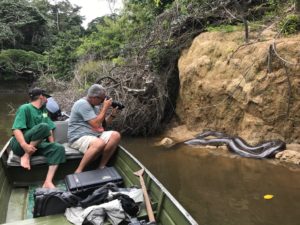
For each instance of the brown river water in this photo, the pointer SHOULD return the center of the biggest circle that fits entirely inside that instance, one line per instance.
(215, 186)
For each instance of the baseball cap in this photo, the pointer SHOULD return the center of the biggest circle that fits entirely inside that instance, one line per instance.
(38, 91)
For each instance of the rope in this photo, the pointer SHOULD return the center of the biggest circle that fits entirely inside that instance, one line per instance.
(282, 59)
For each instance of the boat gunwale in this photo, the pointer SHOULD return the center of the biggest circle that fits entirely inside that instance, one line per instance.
(4, 148)
(162, 187)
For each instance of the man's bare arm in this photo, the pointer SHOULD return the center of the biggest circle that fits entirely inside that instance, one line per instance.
(97, 122)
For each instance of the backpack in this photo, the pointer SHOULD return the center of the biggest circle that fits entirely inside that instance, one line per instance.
(52, 201)
(53, 109)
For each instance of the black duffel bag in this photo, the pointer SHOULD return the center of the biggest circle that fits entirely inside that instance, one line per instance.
(53, 201)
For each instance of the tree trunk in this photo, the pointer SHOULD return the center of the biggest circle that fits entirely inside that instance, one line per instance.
(57, 20)
(297, 4)
(245, 22)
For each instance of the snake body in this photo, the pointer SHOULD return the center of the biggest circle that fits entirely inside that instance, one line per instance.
(238, 145)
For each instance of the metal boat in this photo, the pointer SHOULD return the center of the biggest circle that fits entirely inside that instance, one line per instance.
(17, 182)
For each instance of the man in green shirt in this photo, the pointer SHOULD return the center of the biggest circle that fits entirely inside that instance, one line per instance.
(33, 134)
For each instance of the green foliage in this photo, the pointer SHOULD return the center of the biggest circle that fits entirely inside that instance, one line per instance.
(53, 28)
(62, 57)
(87, 72)
(5, 32)
(16, 61)
(106, 42)
(114, 35)
(274, 5)
(225, 28)
(64, 31)
(92, 26)
(154, 55)
(119, 61)
(290, 24)
(157, 2)
(41, 26)
(22, 25)
(160, 57)
(60, 17)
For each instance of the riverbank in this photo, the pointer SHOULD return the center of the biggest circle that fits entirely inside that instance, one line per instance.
(233, 87)
(246, 90)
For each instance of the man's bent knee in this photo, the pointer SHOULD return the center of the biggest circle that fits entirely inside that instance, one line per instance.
(43, 127)
(97, 143)
(116, 136)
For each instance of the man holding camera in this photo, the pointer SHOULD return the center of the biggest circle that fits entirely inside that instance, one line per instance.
(86, 132)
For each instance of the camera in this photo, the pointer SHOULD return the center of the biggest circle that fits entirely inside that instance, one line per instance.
(115, 104)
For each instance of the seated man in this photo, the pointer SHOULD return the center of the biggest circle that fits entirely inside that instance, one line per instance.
(32, 130)
(85, 131)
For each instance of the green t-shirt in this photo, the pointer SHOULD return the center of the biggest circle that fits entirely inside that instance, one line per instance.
(28, 116)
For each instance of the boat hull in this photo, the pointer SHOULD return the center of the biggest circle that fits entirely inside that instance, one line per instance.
(166, 208)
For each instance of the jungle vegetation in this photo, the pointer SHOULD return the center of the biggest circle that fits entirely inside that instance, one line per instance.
(132, 52)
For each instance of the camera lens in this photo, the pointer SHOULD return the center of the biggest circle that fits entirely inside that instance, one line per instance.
(115, 104)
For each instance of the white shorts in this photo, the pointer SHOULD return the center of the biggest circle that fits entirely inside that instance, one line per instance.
(83, 143)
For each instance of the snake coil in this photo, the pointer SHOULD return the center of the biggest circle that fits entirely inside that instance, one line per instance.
(266, 149)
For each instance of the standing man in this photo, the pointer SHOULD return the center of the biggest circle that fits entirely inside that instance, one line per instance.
(33, 134)
(85, 131)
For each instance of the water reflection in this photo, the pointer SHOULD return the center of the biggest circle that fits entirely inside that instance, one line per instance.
(12, 95)
(219, 188)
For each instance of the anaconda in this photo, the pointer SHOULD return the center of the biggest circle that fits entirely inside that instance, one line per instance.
(238, 145)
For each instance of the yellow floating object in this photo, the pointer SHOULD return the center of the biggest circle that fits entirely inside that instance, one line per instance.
(268, 197)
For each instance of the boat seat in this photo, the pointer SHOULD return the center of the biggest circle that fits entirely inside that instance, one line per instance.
(14, 160)
(60, 136)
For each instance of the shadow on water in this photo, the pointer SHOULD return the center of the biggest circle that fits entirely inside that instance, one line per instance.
(215, 186)
(219, 188)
